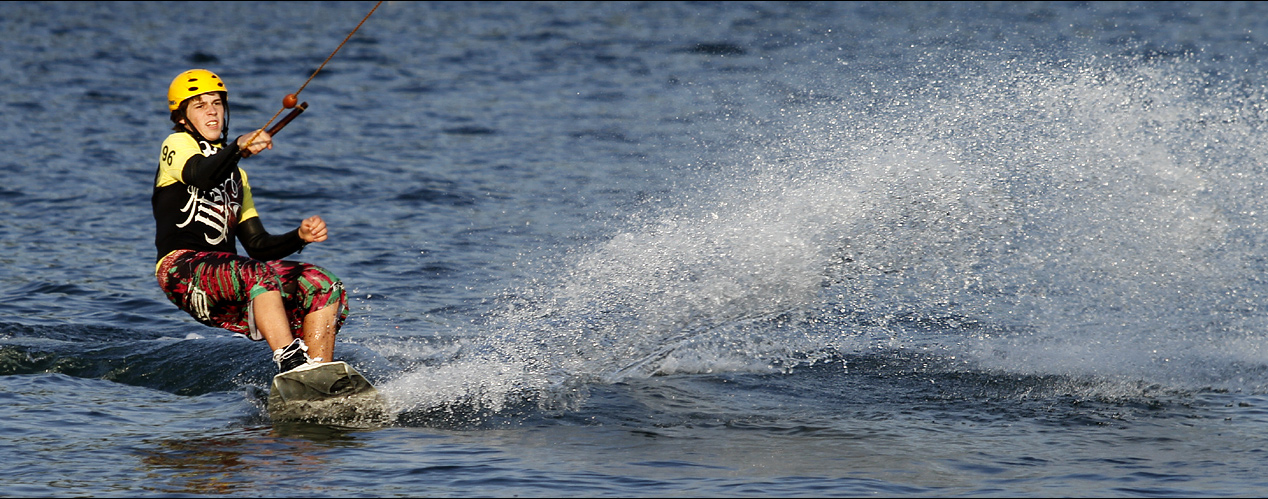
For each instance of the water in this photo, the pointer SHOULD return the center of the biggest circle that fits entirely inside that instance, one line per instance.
(662, 249)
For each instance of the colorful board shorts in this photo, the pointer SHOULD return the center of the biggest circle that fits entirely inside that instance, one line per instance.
(216, 288)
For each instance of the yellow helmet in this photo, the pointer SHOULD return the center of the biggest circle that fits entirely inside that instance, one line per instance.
(191, 83)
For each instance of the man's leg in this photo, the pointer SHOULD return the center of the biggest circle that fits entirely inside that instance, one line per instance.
(270, 319)
(319, 333)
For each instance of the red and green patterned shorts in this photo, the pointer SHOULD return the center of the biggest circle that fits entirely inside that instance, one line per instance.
(216, 288)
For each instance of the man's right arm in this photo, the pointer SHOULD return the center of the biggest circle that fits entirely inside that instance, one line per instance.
(206, 172)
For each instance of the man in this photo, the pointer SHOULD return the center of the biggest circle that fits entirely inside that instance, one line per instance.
(203, 206)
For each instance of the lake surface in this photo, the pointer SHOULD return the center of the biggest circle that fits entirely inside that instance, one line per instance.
(661, 249)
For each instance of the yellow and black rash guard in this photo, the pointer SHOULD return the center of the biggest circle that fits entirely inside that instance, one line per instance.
(202, 202)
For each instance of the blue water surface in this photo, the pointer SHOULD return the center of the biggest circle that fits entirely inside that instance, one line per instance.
(670, 249)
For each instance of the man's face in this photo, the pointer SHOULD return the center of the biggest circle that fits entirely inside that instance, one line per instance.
(206, 113)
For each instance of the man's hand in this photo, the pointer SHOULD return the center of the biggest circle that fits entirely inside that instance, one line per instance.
(254, 142)
(313, 230)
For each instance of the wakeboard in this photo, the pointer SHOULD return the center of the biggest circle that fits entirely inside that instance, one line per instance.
(329, 392)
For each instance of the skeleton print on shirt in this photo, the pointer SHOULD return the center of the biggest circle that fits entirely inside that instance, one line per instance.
(215, 208)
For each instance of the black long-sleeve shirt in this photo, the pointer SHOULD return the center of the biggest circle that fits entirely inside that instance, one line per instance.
(202, 202)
